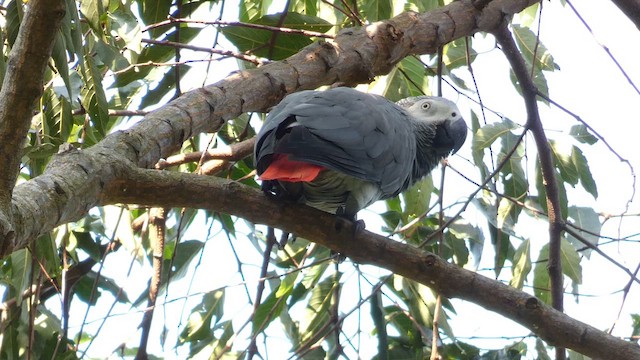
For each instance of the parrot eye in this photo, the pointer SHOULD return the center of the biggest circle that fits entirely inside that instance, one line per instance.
(426, 106)
(453, 114)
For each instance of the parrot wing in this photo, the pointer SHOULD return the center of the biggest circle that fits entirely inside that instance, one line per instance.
(357, 134)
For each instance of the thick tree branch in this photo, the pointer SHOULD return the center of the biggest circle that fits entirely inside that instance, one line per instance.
(72, 183)
(163, 188)
(631, 8)
(28, 59)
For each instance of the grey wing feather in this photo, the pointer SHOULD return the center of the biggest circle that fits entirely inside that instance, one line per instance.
(362, 135)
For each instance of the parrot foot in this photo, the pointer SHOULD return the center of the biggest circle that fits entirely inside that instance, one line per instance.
(343, 215)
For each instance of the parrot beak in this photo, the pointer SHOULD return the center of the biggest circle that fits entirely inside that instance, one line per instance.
(450, 137)
(458, 132)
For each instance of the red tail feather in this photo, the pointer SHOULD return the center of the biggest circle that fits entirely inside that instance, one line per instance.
(290, 170)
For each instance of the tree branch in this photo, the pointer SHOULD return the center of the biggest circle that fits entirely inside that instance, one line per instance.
(172, 189)
(631, 8)
(28, 59)
(73, 181)
(554, 212)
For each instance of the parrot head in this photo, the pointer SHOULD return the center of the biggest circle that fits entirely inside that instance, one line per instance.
(444, 115)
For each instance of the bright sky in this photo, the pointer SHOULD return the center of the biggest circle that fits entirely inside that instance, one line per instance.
(588, 83)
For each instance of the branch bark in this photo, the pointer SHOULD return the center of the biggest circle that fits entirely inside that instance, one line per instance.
(171, 189)
(554, 212)
(72, 184)
(27, 60)
(631, 8)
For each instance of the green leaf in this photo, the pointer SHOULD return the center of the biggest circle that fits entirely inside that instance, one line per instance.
(14, 13)
(154, 11)
(542, 350)
(418, 197)
(564, 162)
(253, 9)
(270, 308)
(407, 79)
(259, 42)
(20, 272)
(125, 27)
(541, 282)
(57, 119)
(71, 29)
(530, 45)
(182, 257)
(539, 81)
(110, 56)
(635, 319)
(571, 261)
(570, 267)
(587, 219)
(199, 325)
(59, 55)
(376, 10)
(573, 355)
(581, 133)
(521, 265)
(488, 134)
(93, 98)
(93, 12)
(586, 178)
(455, 53)
(317, 312)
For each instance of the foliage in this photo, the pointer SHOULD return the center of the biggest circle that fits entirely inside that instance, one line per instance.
(104, 64)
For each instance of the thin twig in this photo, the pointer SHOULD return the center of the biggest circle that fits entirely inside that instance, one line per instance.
(270, 242)
(234, 152)
(245, 57)
(284, 30)
(605, 48)
(157, 237)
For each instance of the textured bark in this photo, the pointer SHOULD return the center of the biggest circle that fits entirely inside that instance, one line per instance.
(631, 8)
(74, 180)
(27, 60)
(171, 189)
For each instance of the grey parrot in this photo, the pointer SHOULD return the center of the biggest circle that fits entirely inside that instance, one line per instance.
(341, 150)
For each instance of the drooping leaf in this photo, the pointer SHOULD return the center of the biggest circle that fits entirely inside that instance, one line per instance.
(541, 282)
(59, 56)
(93, 97)
(272, 306)
(417, 197)
(93, 12)
(582, 134)
(407, 79)
(587, 219)
(584, 172)
(571, 261)
(210, 310)
(521, 265)
(530, 45)
(13, 18)
(542, 350)
(455, 53)
(488, 134)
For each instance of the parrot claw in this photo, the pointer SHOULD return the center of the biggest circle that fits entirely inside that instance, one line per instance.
(342, 216)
